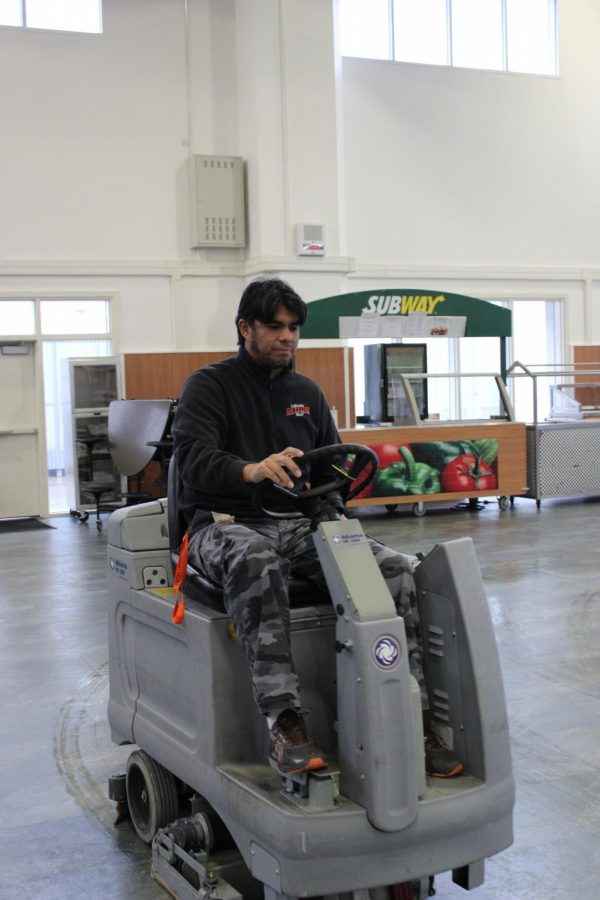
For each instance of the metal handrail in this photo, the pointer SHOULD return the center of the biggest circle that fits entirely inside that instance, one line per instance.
(528, 370)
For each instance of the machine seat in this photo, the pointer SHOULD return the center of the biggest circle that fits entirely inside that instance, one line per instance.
(197, 587)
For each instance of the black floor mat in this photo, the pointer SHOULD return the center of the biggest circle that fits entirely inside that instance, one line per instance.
(10, 525)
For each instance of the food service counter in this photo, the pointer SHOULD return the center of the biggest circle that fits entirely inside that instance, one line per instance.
(443, 461)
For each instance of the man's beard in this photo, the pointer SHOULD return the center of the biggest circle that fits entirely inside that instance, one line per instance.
(266, 361)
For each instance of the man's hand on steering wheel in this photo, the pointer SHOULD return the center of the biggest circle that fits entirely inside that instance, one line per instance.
(337, 469)
(276, 468)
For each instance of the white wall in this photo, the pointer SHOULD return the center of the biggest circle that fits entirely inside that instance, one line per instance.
(466, 181)
(92, 128)
(97, 130)
(470, 168)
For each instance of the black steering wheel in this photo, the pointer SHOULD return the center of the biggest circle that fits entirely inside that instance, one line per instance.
(342, 469)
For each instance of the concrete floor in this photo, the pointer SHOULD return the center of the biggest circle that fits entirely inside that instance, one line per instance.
(57, 837)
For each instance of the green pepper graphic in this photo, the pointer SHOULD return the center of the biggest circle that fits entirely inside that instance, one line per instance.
(406, 477)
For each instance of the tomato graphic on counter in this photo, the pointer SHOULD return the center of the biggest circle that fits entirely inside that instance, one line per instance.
(468, 473)
(387, 454)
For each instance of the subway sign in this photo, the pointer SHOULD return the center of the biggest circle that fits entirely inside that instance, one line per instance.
(483, 319)
(402, 304)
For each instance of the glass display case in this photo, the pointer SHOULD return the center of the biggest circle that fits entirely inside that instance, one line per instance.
(474, 397)
(94, 383)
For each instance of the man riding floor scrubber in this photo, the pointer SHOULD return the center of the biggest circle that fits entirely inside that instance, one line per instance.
(225, 824)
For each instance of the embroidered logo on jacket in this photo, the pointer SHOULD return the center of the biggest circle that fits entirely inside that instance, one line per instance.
(297, 409)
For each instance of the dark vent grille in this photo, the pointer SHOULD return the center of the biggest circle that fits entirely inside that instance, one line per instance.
(435, 641)
(441, 705)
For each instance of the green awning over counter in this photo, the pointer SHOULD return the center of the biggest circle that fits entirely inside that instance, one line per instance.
(484, 319)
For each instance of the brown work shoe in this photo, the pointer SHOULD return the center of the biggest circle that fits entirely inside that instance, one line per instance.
(291, 748)
(440, 760)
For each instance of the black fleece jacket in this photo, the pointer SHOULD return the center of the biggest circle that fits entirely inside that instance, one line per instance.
(233, 413)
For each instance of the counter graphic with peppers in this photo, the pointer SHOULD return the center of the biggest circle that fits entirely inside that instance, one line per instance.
(434, 467)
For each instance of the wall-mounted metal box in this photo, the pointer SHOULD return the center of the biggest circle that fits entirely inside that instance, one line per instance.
(216, 193)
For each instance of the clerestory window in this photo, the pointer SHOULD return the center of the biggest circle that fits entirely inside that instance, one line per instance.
(58, 15)
(502, 35)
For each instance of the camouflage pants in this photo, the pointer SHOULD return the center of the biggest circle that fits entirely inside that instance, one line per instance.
(252, 562)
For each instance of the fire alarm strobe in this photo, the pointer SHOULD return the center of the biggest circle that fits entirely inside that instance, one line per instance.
(310, 240)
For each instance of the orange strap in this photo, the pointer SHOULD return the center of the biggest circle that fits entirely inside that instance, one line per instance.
(179, 580)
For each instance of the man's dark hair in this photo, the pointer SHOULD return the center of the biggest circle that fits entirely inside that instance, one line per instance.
(262, 297)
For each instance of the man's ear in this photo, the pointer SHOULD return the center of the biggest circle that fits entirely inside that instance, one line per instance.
(243, 328)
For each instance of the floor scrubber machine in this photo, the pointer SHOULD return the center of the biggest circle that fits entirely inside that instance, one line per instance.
(222, 822)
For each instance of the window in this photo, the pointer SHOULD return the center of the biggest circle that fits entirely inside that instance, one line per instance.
(365, 28)
(477, 34)
(74, 316)
(420, 32)
(11, 12)
(536, 341)
(531, 36)
(503, 35)
(59, 15)
(17, 317)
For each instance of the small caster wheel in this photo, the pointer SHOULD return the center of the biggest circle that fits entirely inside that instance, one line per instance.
(503, 502)
(83, 517)
(98, 526)
(391, 507)
(418, 509)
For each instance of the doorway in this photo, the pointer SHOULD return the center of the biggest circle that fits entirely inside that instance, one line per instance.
(38, 335)
(20, 493)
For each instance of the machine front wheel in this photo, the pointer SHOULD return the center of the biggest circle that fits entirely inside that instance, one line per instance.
(151, 795)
